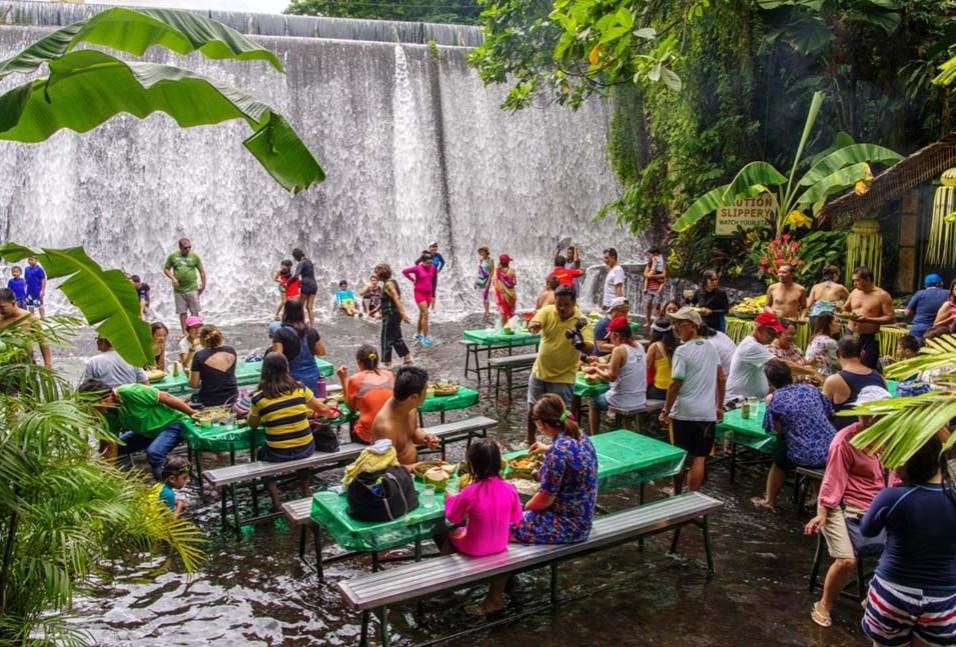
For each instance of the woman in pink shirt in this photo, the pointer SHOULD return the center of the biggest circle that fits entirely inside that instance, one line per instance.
(488, 505)
(423, 276)
(851, 481)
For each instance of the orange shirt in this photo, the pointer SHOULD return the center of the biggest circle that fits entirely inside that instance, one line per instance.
(566, 276)
(371, 391)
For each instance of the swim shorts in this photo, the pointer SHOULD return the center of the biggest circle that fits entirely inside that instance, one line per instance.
(423, 297)
(894, 613)
(33, 302)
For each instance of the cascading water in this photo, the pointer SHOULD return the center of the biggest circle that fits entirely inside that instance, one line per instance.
(414, 146)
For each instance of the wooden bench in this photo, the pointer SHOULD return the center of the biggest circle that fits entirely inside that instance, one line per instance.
(378, 591)
(229, 479)
(620, 415)
(508, 365)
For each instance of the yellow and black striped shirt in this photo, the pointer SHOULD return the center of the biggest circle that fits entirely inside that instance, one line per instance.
(286, 418)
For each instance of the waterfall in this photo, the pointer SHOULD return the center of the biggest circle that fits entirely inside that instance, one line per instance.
(415, 148)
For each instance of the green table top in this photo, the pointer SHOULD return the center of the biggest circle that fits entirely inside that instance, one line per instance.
(247, 374)
(624, 458)
(462, 400)
(584, 389)
(749, 432)
(488, 337)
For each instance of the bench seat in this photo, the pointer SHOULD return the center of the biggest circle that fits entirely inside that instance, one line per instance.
(650, 406)
(508, 365)
(377, 591)
(226, 479)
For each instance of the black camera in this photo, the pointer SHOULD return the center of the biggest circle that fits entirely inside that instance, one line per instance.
(575, 335)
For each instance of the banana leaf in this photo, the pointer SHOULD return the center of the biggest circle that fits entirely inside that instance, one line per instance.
(106, 298)
(947, 73)
(936, 353)
(135, 31)
(751, 180)
(848, 155)
(837, 181)
(904, 425)
(88, 87)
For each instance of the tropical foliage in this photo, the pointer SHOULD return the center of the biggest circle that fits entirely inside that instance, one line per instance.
(63, 511)
(834, 172)
(435, 11)
(905, 424)
(106, 298)
(88, 87)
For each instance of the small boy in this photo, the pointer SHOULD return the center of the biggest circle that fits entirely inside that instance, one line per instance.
(372, 298)
(175, 475)
(345, 300)
(654, 275)
(19, 286)
(142, 290)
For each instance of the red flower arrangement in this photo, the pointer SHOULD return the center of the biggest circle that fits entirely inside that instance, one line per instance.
(780, 251)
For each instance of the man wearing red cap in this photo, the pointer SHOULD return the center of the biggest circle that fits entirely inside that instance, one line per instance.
(627, 373)
(746, 377)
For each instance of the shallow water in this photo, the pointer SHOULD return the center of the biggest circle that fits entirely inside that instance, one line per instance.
(256, 592)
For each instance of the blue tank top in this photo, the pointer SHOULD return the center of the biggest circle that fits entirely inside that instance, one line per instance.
(857, 383)
(303, 368)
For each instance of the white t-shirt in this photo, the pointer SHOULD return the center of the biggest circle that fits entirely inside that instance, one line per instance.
(725, 349)
(746, 377)
(695, 363)
(615, 276)
(629, 391)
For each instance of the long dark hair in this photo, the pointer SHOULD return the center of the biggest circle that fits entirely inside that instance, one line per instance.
(822, 324)
(667, 338)
(275, 379)
(293, 314)
(550, 410)
(484, 459)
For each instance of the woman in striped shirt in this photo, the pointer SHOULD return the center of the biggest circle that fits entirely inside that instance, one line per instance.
(282, 405)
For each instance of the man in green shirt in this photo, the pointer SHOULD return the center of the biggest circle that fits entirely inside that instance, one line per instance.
(181, 267)
(143, 417)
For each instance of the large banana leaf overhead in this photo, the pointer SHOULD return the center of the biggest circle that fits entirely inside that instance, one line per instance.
(87, 87)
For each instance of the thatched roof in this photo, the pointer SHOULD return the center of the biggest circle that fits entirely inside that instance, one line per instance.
(923, 166)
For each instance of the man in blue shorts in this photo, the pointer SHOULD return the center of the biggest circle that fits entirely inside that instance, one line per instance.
(36, 285)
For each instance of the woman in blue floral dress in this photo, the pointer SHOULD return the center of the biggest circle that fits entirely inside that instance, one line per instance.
(561, 511)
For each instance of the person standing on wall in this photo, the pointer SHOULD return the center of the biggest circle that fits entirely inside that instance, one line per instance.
(181, 268)
(305, 272)
(655, 274)
(36, 286)
(614, 283)
(438, 261)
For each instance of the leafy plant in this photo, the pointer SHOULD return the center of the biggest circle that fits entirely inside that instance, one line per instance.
(106, 298)
(835, 172)
(88, 87)
(63, 510)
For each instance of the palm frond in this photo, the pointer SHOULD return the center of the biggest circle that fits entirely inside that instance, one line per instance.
(903, 425)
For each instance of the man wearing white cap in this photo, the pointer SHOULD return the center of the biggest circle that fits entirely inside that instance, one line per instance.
(438, 261)
(695, 397)
(619, 308)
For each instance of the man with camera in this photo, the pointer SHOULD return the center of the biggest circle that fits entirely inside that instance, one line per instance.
(566, 334)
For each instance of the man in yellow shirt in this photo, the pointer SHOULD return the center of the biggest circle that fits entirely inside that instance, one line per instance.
(565, 335)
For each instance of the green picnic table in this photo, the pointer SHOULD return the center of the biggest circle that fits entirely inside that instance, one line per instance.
(439, 404)
(748, 432)
(487, 340)
(584, 389)
(624, 458)
(247, 374)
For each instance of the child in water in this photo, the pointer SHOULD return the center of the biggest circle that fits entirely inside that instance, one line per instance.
(19, 286)
(345, 300)
(175, 475)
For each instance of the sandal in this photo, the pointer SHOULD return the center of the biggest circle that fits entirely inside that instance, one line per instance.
(819, 617)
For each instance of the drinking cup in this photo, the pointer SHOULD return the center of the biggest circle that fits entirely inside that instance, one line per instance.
(428, 496)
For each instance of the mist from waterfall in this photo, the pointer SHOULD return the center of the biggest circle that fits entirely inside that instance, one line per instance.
(415, 149)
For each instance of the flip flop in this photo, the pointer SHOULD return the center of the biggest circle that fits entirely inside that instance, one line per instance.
(819, 617)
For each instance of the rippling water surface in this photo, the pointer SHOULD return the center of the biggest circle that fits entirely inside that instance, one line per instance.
(254, 591)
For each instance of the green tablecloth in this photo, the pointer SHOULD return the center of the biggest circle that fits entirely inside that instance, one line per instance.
(439, 403)
(488, 337)
(218, 438)
(584, 389)
(624, 458)
(749, 432)
(247, 374)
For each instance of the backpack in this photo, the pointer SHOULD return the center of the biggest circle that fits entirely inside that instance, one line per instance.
(381, 496)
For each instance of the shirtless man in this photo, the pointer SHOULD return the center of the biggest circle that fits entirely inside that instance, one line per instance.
(786, 299)
(10, 314)
(873, 307)
(546, 298)
(398, 419)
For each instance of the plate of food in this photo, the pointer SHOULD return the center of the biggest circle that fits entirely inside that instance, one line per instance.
(524, 466)
(443, 388)
(421, 468)
(155, 374)
(851, 316)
